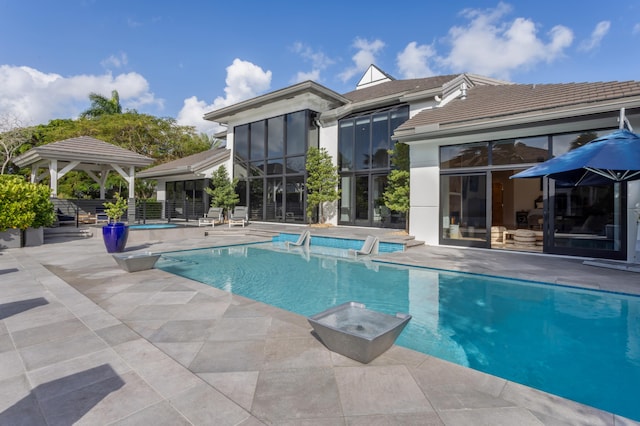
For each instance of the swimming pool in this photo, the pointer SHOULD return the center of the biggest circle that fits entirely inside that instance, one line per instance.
(153, 226)
(580, 344)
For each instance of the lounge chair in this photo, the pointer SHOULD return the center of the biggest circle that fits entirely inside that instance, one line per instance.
(304, 239)
(211, 217)
(239, 216)
(370, 246)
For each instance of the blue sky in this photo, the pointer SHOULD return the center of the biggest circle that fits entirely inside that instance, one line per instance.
(182, 59)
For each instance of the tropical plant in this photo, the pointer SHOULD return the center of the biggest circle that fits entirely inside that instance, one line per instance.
(23, 204)
(12, 137)
(101, 105)
(223, 194)
(396, 195)
(322, 181)
(117, 209)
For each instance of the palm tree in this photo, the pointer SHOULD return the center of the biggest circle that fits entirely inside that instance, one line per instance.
(101, 105)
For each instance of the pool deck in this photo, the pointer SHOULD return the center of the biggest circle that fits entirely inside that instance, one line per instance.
(84, 342)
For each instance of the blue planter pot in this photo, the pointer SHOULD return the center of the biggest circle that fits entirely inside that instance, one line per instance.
(115, 237)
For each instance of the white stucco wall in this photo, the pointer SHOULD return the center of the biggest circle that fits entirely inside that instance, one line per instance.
(424, 211)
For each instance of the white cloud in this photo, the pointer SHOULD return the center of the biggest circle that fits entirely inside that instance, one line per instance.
(319, 62)
(244, 80)
(601, 30)
(115, 61)
(413, 60)
(37, 97)
(636, 29)
(490, 45)
(365, 56)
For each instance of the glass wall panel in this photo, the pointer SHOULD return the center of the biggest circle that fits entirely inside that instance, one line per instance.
(362, 144)
(345, 199)
(398, 116)
(463, 206)
(256, 168)
(241, 142)
(518, 151)
(362, 201)
(296, 164)
(567, 142)
(274, 210)
(468, 155)
(296, 133)
(275, 138)
(257, 140)
(588, 218)
(256, 199)
(345, 156)
(294, 203)
(241, 190)
(380, 141)
(275, 166)
(381, 213)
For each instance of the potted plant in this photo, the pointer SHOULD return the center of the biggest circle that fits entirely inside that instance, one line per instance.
(25, 208)
(115, 233)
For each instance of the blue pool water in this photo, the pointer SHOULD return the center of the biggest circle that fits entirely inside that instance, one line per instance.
(340, 243)
(153, 226)
(579, 344)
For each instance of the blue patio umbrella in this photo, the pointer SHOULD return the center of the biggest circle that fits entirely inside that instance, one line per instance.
(611, 158)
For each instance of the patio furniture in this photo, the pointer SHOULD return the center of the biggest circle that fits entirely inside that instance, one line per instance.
(211, 217)
(356, 332)
(370, 246)
(239, 216)
(304, 239)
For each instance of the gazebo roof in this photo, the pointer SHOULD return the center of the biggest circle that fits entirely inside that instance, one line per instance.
(84, 149)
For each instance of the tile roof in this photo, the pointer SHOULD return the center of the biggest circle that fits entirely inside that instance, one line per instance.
(85, 149)
(189, 164)
(398, 87)
(487, 102)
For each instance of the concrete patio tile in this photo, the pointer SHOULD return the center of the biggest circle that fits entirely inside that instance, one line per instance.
(183, 352)
(100, 403)
(413, 419)
(548, 406)
(204, 405)
(151, 312)
(120, 304)
(99, 319)
(6, 344)
(160, 414)
(156, 368)
(116, 334)
(496, 416)
(245, 309)
(37, 356)
(284, 329)
(183, 331)
(145, 328)
(10, 364)
(41, 315)
(170, 298)
(48, 332)
(202, 310)
(67, 376)
(459, 396)
(237, 386)
(295, 353)
(434, 373)
(19, 406)
(240, 328)
(368, 389)
(297, 394)
(219, 357)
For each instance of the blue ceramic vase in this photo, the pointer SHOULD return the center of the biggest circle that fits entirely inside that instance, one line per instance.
(115, 236)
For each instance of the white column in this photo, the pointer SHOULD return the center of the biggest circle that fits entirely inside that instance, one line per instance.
(53, 173)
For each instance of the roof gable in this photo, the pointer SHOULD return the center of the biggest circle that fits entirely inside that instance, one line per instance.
(372, 76)
(192, 164)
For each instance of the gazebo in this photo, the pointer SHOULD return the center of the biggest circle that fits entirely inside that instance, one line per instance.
(93, 156)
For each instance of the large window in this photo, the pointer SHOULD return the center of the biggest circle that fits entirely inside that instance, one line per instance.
(364, 141)
(269, 162)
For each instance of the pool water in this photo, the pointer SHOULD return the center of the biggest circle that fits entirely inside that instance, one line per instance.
(580, 344)
(153, 226)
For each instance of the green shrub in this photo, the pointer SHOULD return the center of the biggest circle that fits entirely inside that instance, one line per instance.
(24, 205)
